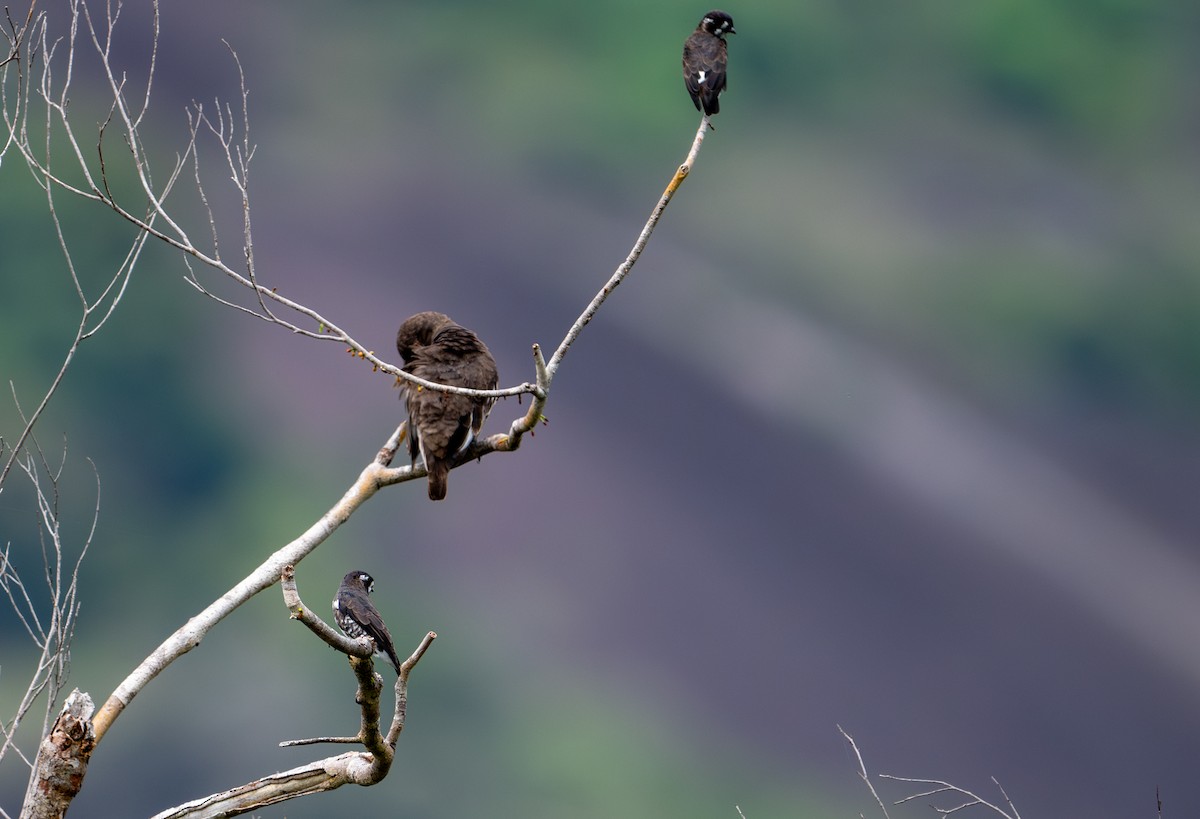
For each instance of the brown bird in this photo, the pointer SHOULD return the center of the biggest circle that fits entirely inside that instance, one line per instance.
(704, 61)
(441, 424)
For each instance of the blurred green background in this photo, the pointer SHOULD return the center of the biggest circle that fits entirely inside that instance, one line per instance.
(894, 425)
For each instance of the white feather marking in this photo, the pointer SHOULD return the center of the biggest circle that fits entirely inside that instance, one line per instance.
(469, 441)
(700, 77)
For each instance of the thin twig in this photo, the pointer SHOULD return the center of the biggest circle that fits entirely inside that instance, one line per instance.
(292, 743)
(639, 245)
(54, 632)
(862, 770)
(937, 786)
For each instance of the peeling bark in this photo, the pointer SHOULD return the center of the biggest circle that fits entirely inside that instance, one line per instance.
(62, 760)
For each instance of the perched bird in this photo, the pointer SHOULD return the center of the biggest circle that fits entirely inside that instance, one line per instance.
(440, 424)
(357, 616)
(704, 61)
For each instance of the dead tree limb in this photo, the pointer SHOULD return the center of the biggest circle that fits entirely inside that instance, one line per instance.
(365, 768)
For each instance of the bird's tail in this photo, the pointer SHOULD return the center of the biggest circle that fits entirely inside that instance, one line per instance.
(439, 474)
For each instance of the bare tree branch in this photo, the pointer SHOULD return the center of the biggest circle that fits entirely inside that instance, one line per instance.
(236, 149)
(862, 771)
(970, 800)
(94, 310)
(266, 575)
(639, 245)
(53, 630)
(963, 798)
(353, 768)
(93, 178)
(17, 35)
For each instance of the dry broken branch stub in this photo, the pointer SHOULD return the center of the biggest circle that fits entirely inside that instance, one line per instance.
(62, 760)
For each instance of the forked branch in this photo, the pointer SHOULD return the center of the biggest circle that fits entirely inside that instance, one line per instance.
(962, 798)
(48, 611)
(367, 767)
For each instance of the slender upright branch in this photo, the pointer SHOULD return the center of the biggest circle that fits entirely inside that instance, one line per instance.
(635, 253)
(862, 771)
(544, 372)
(48, 615)
(94, 309)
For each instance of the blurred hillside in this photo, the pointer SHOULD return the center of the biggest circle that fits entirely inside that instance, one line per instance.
(894, 425)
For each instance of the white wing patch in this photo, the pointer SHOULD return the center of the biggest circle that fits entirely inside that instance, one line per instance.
(470, 439)
(701, 76)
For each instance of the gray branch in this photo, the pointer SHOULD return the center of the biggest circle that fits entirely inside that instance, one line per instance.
(351, 768)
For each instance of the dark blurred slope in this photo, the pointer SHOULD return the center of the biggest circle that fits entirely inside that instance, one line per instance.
(893, 425)
(724, 477)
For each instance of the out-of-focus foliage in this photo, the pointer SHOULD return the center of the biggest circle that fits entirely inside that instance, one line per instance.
(1003, 194)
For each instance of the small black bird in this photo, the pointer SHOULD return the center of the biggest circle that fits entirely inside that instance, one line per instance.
(704, 61)
(440, 424)
(357, 616)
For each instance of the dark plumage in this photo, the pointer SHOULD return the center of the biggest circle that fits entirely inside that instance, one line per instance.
(357, 616)
(704, 61)
(440, 424)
